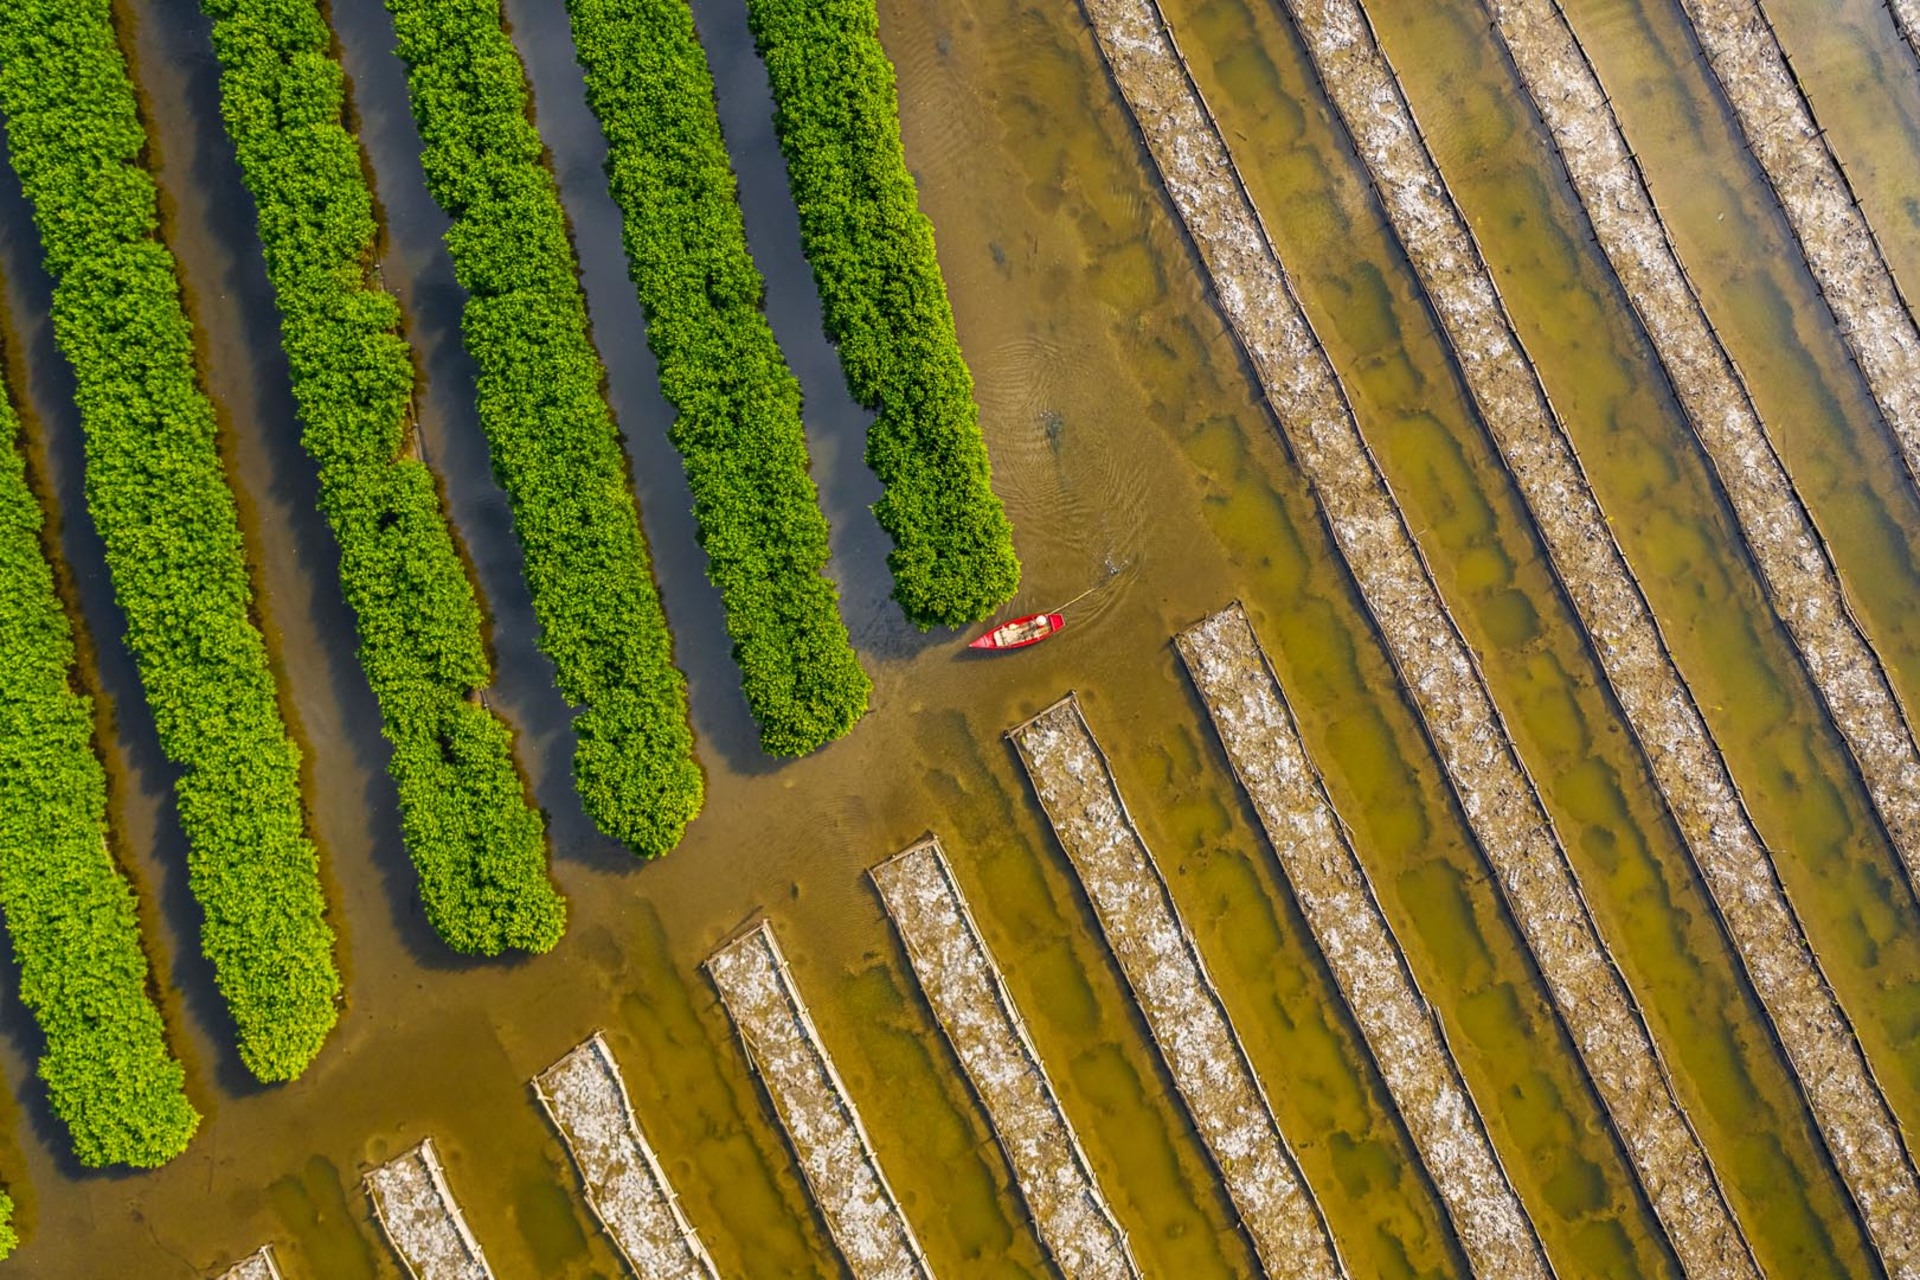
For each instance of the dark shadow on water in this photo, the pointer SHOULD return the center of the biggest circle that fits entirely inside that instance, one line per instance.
(240, 322)
(836, 426)
(49, 418)
(35, 1103)
(136, 765)
(578, 152)
(419, 271)
(416, 268)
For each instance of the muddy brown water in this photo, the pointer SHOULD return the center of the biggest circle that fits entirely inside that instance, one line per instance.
(1129, 448)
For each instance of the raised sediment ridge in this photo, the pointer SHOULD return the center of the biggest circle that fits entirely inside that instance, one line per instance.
(258, 1265)
(586, 1098)
(843, 1174)
(422, 1221)
(1795, 565)
(1776, 119)
(1861, 1134)
(1906, 16)
(1834, 1077)
(1189, 1023)
(1249, 710)
(974, 1009)
(1435, 666)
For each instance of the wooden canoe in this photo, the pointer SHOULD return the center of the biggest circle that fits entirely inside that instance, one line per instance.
(1020, 632)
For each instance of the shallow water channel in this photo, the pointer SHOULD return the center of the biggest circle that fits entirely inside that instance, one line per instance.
(1131, 451)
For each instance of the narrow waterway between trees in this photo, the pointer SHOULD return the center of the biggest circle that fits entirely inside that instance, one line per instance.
(1131, 450)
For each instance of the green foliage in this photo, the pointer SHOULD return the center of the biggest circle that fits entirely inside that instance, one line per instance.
(739, 425)
(9, 1238)
(71, 916)
(885, 304)
(479, 846)
(159, 499)
(555, 448)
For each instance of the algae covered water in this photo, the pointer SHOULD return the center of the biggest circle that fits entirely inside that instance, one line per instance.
(1130, 450)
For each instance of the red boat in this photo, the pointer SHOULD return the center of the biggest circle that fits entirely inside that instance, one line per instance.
(1021, 632)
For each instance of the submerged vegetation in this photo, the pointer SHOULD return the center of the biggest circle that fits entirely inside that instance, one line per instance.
(70, 913)
(159, 498)
(554, 444)
(885, 304)
(478, 844)
(739, 426)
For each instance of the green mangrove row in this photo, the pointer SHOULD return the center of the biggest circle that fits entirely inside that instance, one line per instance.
(479, 846)
(885, 305)
(555, 448)
(739, 427)
(159, 499)
(70, 913)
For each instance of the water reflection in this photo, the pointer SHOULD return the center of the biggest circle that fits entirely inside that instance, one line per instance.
(836, 426)
(415, 267)
(147, 840)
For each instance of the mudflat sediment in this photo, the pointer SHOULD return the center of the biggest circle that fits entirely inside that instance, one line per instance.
(970, 1001)
(1793, 559)
(1432, 658)
(1249, 711)
(1860, 1132)
(586, 1098)
(422, 1220)
(1183, 1011)
(1844, 1098)
(836, 1158)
